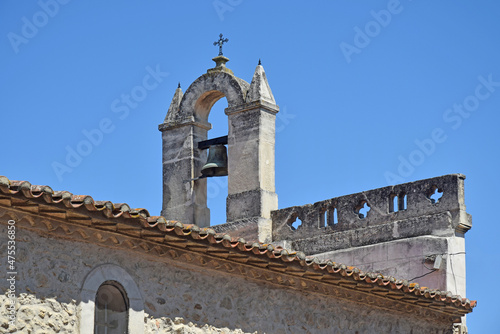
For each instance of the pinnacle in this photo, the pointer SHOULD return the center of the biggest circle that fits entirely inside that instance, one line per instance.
(259, 87)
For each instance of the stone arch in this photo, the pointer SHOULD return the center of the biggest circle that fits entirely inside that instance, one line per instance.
(91, 284)
(208, 89)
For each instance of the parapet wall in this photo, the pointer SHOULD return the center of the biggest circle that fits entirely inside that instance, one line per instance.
(395, 212)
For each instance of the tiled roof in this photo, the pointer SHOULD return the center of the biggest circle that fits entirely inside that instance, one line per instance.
(137, 223)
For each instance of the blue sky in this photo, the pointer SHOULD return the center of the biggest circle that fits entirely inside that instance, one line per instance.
(361, 86)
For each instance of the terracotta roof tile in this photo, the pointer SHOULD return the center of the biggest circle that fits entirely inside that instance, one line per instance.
(158, 226)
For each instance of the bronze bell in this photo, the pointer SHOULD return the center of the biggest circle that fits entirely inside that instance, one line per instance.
(216, 163)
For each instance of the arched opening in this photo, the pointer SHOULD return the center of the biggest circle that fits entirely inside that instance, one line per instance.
(111, 309)
(217, 186)
(218, 119)
(205, 103)
(117, 286)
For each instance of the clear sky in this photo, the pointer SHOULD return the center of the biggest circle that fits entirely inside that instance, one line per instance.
(372, 93)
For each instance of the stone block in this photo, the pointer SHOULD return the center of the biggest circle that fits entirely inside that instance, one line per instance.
(255, 203)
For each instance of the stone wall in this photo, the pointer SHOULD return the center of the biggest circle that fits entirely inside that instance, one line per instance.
(177, 297)
(407, 233)
(394, 212)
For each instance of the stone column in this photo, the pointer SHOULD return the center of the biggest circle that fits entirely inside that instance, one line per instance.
(184, 200)
(251, 186)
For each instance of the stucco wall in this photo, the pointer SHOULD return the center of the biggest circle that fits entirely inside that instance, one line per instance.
(177, 298)
(406, 259)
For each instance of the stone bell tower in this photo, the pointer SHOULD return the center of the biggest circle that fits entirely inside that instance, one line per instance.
(251, 115)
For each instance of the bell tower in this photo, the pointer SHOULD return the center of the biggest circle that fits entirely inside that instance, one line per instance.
(251, 115)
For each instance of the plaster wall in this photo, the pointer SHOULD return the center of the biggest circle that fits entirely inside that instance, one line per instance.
(413, 259)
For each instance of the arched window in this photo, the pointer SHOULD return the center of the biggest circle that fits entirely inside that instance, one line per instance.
(111, 309)
(107, 290)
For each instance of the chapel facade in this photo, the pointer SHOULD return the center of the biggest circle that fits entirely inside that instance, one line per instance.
(88, 266)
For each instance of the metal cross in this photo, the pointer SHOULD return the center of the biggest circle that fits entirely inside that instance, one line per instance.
(220, 42)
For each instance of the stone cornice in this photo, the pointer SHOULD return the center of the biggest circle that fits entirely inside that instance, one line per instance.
(264, 105)
(170, 125)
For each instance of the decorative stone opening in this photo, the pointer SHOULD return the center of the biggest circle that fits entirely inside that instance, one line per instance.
(328, 217)
(397, 202)
(362, 209)
(393, 203)
(435, 194)
(295, 222)
(403, 201)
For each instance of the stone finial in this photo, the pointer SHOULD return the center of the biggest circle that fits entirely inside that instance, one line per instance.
(220, 65)
(176, 101)
(259, 87)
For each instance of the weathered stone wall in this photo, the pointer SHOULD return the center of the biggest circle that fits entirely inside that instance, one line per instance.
(402, 235)
(415, 214)
(177, 297)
